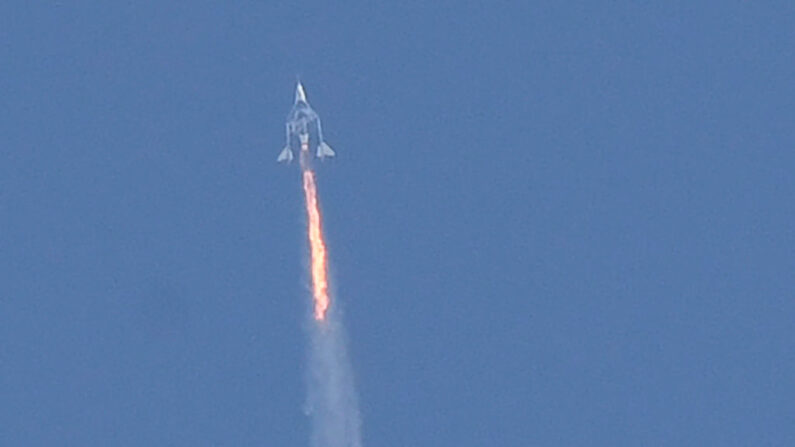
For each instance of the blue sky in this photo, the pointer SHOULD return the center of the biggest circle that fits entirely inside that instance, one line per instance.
(549, 224)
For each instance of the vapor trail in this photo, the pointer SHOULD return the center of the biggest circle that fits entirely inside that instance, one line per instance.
(332, 402)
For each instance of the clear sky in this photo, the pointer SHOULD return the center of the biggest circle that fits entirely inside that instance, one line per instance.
(550, 223)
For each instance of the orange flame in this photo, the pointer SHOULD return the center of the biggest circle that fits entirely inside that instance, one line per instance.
(317, 247)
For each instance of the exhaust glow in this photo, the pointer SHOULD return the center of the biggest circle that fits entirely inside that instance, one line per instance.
(317, 247)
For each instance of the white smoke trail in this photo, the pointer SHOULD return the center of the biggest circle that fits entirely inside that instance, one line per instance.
(332, 401)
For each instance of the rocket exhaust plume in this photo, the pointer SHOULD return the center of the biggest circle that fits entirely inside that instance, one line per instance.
(317, 248)
(332, 403)
(332, 398)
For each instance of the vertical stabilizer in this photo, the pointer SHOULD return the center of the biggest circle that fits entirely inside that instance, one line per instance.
(286, 155)
(324, 150)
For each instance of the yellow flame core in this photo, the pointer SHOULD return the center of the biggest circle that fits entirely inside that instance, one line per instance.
(317, 247)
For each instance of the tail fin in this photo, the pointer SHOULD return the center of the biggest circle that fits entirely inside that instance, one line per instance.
(285, 155)
(323, 150)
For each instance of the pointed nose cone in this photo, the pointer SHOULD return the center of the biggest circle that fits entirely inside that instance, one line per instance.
(300, 96)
